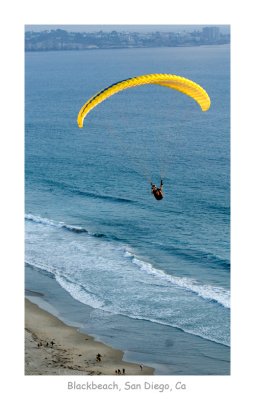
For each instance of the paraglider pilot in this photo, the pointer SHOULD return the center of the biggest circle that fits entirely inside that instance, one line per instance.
(157, 192)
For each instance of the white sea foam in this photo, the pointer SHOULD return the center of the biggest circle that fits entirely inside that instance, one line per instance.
(79, 293)
(207, 292)
(107, 276)
(56, 224)
(41, 220)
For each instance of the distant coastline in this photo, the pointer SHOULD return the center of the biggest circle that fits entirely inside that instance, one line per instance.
(59, 39)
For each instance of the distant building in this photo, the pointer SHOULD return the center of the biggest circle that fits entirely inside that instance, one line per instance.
(211, 33)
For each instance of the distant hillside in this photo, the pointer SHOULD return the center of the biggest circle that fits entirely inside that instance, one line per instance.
(60, 39)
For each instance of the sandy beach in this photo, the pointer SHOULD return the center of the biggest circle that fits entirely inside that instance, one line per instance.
(53, 348)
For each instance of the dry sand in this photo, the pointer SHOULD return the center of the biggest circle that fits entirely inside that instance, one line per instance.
(73, 353)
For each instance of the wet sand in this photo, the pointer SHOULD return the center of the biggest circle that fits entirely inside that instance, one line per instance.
(53, 348)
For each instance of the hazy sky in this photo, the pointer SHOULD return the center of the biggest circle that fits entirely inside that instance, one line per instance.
(132, 28)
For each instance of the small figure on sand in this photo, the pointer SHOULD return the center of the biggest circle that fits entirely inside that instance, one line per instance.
(52, 343)
(141, 366)
(98, 357)
(157, 192)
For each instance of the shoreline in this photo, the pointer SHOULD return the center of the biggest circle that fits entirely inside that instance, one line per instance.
(175, 353)
(54, 348)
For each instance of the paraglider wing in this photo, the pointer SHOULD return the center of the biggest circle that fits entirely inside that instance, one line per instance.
(175, 82)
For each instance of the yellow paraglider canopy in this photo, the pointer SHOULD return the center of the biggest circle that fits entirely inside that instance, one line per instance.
(176, 82)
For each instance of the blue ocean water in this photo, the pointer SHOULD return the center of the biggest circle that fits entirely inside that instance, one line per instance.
(92, 224)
